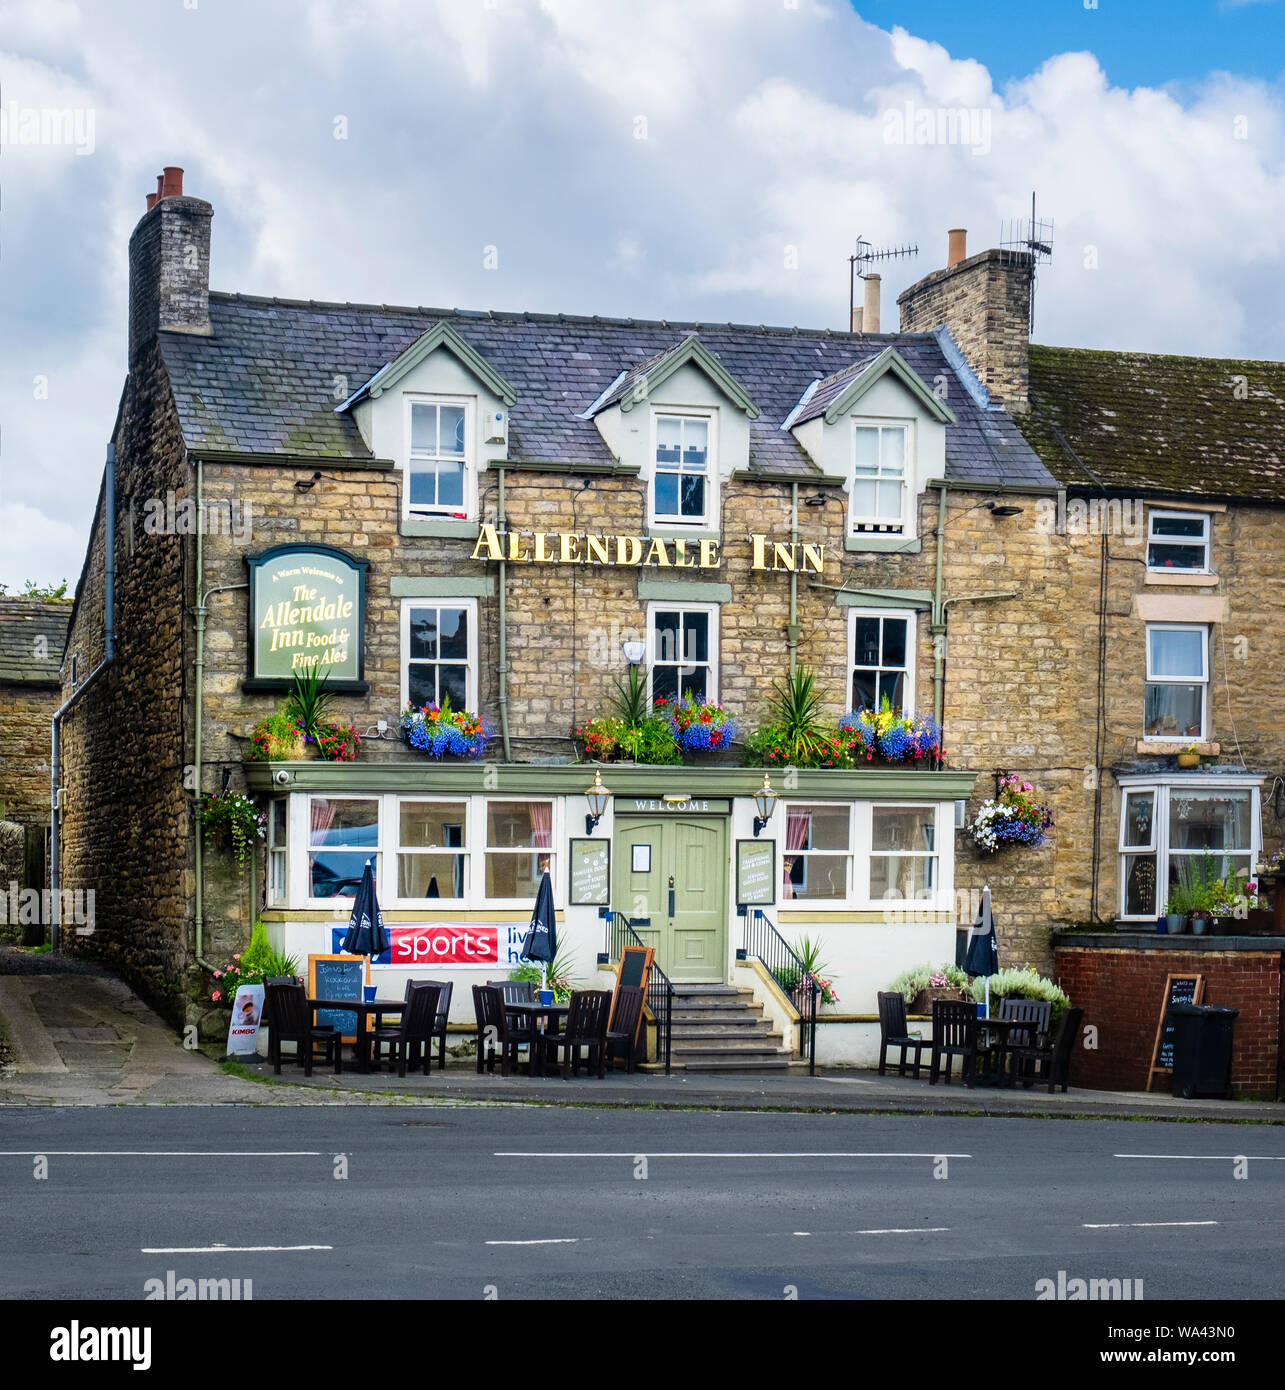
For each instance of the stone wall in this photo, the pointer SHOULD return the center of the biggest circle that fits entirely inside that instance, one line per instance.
(1121, 991)
(26, 714)
(126, 825)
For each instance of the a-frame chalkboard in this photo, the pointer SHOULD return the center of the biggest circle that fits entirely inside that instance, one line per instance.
(634, 969)
(1179, 989)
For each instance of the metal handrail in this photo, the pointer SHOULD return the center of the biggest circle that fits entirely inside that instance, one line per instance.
(764, 943)
(660, 992)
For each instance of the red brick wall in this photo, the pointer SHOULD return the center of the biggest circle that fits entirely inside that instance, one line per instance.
(1121, 991)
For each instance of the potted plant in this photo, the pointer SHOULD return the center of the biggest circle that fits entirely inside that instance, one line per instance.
(636, 733)
(439, 730)
(920, 985)
(1181, 902)
(276, 739)
(1189, 756)
(698, 727)
(231, 820)
(308, 705)
(790, 979)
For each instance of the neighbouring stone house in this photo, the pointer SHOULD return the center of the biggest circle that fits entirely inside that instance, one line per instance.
(32, 634)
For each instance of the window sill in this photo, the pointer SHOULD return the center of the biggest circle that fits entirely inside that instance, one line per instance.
(443, 527)
(884, 545)
(674, 531)
(1162, 747)
(1185, 577)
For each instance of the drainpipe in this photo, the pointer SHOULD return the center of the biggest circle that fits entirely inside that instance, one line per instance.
(792, 631)
(504, 635)
(202, 609)
(939, 616)
(109, 655)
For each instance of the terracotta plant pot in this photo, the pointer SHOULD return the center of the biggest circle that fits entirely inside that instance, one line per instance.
(1188, 759)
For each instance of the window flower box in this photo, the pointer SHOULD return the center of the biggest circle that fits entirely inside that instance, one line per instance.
(441, 732)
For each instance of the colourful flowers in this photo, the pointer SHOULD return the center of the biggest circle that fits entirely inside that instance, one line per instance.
(698, 727)
(338, 743)
(897, 738)
(1014, 818)
(439, 730)
(232, 817)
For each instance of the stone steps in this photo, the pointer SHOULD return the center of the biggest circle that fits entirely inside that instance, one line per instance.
(720, 1028)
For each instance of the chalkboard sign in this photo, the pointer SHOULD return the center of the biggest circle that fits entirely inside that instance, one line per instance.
(337, 977)
(1179, 989)
(590, 872)
(635, 966)
(755, 872)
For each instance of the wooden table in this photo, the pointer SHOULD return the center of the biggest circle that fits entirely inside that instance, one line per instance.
(363, 1008)
(552, 1013)
(1000, 1029)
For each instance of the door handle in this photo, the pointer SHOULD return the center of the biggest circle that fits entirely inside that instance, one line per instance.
(671, 895)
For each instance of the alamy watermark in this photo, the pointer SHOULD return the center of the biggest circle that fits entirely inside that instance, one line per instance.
(184, 516)
(67, 126)
(1124, 517)
(1077, 1290)
(23, 907)
(911, 124)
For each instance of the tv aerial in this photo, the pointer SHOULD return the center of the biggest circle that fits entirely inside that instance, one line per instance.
(862, 259)
(1032, 237)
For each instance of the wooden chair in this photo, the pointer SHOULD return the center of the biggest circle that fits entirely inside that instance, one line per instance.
(622, 1031)
(893, 1032)
(419, 1018)
(1052, 1058)
(955, 1035)
(293, 1021)
(1036, 1012)
(444, 988)
(586, 1027)
(493, 1029)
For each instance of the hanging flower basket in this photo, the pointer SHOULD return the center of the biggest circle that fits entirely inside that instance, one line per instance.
(441, 731)
(1013, 818)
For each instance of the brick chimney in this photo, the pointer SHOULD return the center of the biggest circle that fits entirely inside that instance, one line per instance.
(985, 301)
(169, 264)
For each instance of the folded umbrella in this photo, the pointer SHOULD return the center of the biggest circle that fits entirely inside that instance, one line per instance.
(982, 954)
(367, 935)
(541, 942)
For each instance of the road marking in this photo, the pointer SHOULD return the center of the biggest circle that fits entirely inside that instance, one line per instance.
(557, 1240)
(1117, 1225)
(1215, 1158)
(224, 1250)
(161, 1153)
(902, 1231)
(644, 1153)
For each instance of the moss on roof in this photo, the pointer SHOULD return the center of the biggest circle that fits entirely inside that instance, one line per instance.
(1198, 426)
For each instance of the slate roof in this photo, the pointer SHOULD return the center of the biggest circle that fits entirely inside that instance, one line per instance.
(1146, 422)
(22, 622)
(829, 390)
(268, 378)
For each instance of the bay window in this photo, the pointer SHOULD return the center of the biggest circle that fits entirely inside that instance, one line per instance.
(430, 843)
(343, 835)
(519, 847)
(278, 890)
(1175, 826)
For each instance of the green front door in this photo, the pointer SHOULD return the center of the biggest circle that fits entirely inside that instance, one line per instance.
(670, 879)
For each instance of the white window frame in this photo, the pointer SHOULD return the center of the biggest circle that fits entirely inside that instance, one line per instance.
(1203, 682)
(709, 521)
(278, 854)
(861, 851)
(468, 507)
(910, 617)
(299, 822)
(404, 657)
(300, 878)
(905, 526)
(1205, 541)
(1162, 785)
(661, 606)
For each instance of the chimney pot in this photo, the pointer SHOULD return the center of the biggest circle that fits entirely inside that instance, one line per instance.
(151, 201)
(956, 250)
(870, 306)
(172, 182)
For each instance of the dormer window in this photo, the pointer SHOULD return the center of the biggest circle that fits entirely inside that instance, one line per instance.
(878, 499)
(681, 487)
(439, 472)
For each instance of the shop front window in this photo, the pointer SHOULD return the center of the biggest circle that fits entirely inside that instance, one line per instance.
(431, 845)
(343, 835)
(816, 860)
(903, 852)
(519, 847)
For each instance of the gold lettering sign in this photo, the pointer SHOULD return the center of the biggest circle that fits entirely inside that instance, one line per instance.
(656, 552)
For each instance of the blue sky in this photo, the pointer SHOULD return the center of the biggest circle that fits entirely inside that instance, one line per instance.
(681, 159)
(1137, 42)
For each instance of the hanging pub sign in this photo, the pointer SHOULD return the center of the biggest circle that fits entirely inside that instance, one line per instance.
(307, 613)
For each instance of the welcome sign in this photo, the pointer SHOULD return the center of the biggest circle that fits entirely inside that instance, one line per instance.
(307, 614)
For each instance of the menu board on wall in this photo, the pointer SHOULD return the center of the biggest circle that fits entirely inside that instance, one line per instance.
(1179, 989)
(590, 872)
(307, 614)
(755, 872)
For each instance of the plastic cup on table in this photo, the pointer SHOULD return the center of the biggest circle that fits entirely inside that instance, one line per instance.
(368, 993)
(981, 1010)
(546, 997)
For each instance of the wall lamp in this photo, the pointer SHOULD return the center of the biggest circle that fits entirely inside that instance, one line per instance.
(764, 805)
(597, 796)
(634, 652)
(996, 510)
(301, 486)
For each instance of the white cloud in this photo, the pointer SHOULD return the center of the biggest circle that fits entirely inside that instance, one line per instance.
(763, 149)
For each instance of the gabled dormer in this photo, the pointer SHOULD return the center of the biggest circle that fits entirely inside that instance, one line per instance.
(441, 411)
(683, 421)
(878, 426)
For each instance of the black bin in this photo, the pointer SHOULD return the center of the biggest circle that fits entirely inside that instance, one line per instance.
(1202, 1049)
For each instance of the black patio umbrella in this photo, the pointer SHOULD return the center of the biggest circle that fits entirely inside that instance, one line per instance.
(541, 941)
(367, 935)
(982, 954)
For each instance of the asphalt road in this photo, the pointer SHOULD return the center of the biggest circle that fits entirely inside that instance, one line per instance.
(524, 1202)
